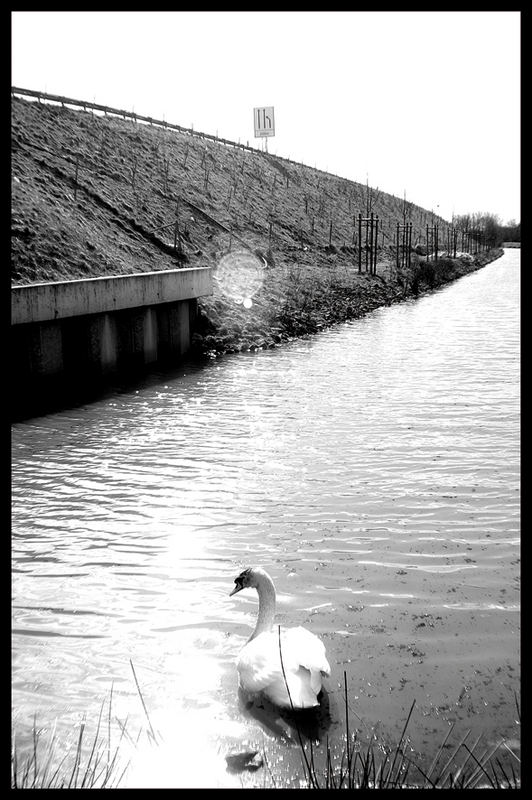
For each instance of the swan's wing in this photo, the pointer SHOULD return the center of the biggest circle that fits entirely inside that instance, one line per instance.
(258, 663)
(303, 662)
(306, 649)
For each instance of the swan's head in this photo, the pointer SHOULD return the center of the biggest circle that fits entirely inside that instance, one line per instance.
(249, 578)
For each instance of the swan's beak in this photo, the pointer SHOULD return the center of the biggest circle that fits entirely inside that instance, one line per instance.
(235, 590)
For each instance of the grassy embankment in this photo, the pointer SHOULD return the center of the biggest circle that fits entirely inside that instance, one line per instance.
(95, 195)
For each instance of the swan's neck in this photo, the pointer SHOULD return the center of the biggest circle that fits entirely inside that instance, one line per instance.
(266, 592)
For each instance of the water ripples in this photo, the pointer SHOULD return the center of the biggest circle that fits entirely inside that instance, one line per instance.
(376, 464)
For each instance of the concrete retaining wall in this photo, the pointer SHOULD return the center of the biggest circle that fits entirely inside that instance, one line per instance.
(75, 334)
(51, 301)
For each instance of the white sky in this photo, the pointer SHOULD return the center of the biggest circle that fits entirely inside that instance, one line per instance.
(422, 102)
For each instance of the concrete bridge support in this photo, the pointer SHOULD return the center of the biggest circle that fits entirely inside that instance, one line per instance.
(78, 333)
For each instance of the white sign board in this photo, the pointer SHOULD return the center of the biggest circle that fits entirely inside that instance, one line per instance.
(264, 121)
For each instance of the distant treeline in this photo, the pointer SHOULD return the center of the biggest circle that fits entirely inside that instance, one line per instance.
(495, 232)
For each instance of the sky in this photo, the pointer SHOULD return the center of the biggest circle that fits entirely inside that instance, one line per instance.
(422, 104)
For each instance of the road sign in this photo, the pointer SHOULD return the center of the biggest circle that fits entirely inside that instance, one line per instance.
(264, 121)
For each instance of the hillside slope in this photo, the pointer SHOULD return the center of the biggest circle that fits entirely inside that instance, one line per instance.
(96, 195)
(92, 193)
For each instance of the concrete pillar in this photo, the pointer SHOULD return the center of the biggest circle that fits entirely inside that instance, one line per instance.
(183, 324)
(109, 351)
(45, 349)
(150, 336)
(101, 349)
(173, 322)
(137, 338)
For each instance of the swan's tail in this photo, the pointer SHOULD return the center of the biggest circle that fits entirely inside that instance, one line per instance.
(300, 690)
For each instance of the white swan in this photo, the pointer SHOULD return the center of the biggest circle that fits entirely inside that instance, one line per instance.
(260, 670)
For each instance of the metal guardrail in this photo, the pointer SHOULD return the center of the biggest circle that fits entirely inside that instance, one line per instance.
(85, 104)
(117, 112)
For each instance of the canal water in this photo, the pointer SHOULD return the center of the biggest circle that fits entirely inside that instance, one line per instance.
(372, 470)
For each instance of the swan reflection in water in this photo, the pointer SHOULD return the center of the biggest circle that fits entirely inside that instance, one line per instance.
(311, 724)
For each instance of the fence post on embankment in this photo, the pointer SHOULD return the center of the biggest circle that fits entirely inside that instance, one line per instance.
(75, 334)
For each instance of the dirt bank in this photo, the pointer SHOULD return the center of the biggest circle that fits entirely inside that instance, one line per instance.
(305, 296)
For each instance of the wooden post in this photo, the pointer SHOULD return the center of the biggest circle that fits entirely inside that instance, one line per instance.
(76, 177)
(177, 240)
(397, 247)
(360, 242)
(134, 172)
(376, 242)
(365, 226)
(166, 165)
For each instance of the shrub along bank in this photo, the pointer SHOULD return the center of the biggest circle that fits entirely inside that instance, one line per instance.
(302, 298)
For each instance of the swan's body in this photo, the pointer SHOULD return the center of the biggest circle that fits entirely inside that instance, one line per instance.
(260, 669)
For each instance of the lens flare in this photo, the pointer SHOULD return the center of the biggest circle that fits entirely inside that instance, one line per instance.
(239, 275)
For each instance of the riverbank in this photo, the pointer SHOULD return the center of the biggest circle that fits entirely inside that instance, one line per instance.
(98, 196)
(302, 297)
